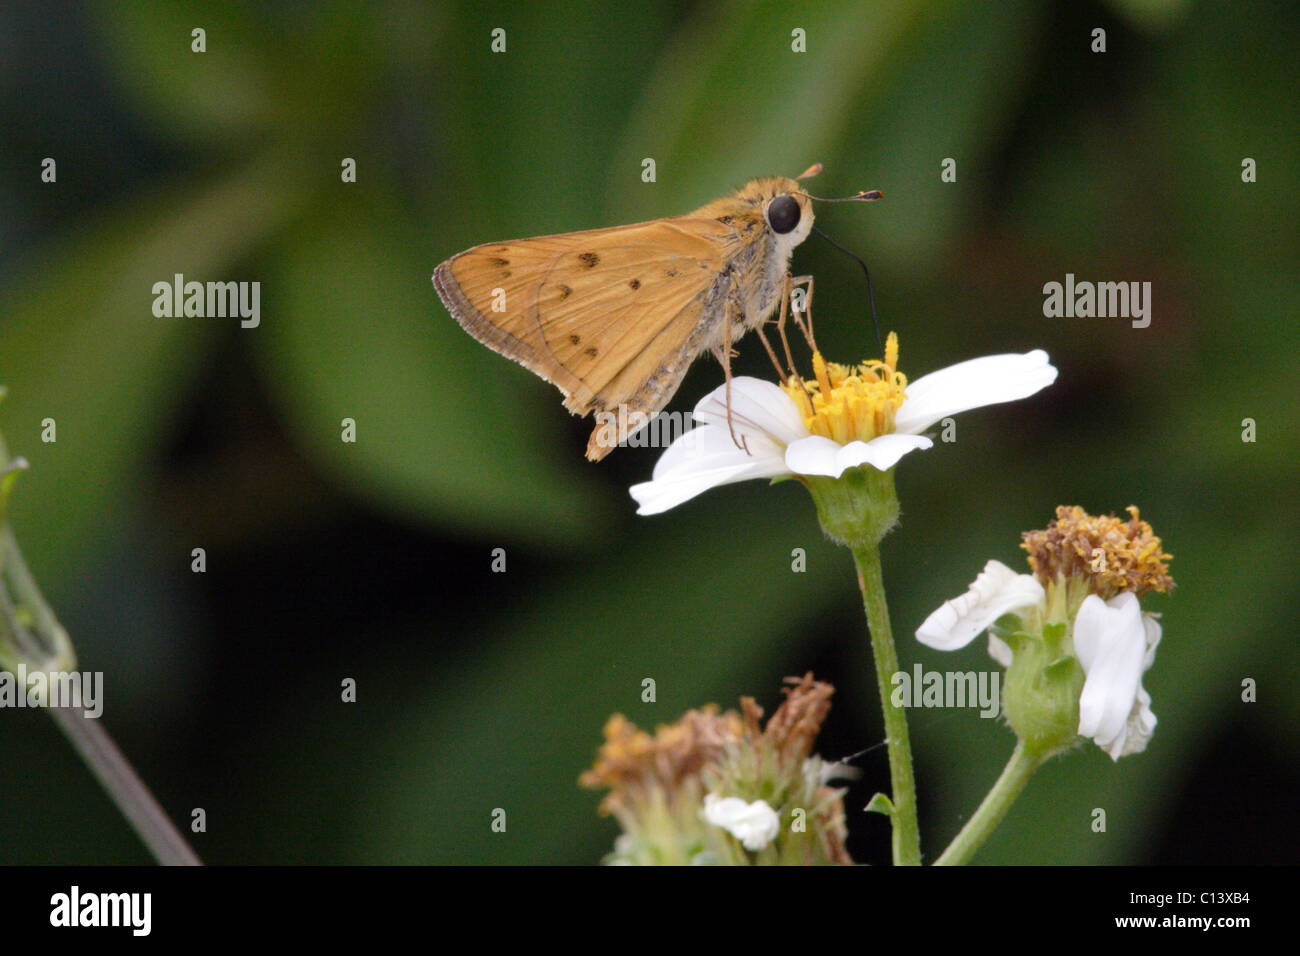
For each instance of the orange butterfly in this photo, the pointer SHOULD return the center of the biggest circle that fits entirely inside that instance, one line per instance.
(614, 317)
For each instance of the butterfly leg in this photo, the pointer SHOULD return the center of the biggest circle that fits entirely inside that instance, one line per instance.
(805, 325)
(780, 324)
(776, 364)
(781, 373)
(724, 356)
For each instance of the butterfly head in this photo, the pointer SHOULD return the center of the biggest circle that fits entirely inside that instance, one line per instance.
(786, 209)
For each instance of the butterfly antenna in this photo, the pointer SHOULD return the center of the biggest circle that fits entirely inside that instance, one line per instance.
(871, 295)
(867, 195)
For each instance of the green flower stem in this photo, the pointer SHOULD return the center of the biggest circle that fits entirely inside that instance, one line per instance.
(857, 510)
(907, 835)
(127, 790)
(1015, 776)
(32, 637)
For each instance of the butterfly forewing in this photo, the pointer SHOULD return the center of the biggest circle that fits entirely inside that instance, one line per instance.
(610, 316)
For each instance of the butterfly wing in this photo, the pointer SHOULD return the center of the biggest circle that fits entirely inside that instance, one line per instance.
(612, 317)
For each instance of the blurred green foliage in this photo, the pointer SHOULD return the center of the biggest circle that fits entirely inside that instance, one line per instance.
(370, 560)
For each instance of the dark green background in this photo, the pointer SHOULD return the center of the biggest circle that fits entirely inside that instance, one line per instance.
(328, 560)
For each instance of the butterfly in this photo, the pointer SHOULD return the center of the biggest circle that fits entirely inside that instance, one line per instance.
(614, 317)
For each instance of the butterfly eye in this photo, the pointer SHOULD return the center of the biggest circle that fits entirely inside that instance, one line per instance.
(783, 214)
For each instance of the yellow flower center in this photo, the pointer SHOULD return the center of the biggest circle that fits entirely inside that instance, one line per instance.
(851, 403)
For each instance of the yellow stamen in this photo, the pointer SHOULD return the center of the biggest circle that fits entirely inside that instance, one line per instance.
(820, 370)
(851, 403)
(891, 351)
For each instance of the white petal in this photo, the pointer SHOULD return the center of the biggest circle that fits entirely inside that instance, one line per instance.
(816, 455)
(1141, 725)
(813, 455)
(755, 824)
(972, 384)
(1141, 720)
(757, 407)
(1151, 623)
(704, 458)
(1110, 641)
(998, 590)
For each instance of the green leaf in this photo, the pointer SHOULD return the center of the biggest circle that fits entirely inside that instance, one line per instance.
(880, 804)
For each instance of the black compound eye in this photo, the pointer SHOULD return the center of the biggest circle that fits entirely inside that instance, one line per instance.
(783, 214)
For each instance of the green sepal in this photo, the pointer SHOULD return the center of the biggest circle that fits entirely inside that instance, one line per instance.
(1013, 636)
(1054, 638)
(1060, 669)
(858, 508)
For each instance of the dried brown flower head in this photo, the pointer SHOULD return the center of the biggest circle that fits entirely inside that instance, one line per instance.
(658, 784)
(1113, 555)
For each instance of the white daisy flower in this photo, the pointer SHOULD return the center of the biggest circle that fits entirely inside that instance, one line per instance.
(1113, 641)
(848, 416)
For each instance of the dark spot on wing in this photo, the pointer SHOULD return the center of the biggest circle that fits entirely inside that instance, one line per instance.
(498, 261)
(635, 283)
(591, 352)
(590, 259)
(670, 273)
(726, 220)
(575, 339)
(565, 291)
